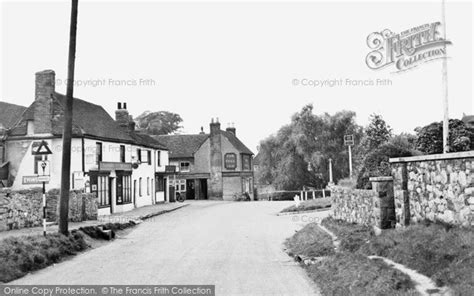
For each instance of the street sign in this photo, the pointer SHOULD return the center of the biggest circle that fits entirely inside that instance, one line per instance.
(43, 178)
(44, 165)
(170, 169)
(349, 140)
(40, 148)
(29, 180)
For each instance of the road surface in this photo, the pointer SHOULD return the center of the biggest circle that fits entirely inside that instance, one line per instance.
(237, 246)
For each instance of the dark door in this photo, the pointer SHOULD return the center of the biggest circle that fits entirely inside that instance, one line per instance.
(119, 190)
(190, 194)
(135, 193)
(164, 188)
(204, 188)
(110, 193)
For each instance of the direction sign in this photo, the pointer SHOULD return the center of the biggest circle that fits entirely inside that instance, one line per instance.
(44, 165)
(349, 140)
(40, 148)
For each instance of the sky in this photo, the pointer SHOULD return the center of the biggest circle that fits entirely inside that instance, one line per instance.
(247, 63)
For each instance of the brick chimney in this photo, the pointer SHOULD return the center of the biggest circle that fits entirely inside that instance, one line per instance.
(216, 189)
(123, 118)
(44, 84)
(231, 129)
(44, 92)
(121, 115)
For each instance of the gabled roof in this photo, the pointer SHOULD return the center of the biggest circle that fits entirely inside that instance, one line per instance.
(88, 120)
(182, 146)
(10, 114)
(237, 143)
(146, 140)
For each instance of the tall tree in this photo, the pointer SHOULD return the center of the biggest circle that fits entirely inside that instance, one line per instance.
(159, 123)
(298, 154)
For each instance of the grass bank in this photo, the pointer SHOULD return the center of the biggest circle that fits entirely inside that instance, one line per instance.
(441, 252)
(23, 254)
(346, 272)
(313, 204)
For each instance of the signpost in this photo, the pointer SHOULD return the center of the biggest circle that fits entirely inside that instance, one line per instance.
(349, 142)
(42, 148)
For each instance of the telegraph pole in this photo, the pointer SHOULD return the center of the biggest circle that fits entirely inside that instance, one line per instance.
(445, 85)
(67, 132)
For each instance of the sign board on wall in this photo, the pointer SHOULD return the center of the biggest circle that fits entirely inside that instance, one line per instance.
(77, 180)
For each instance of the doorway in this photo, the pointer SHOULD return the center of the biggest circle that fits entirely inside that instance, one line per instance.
(111, 181)
(190, 193)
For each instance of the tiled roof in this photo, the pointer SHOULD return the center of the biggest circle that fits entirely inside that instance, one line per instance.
(237, 143)
(182, 146)
(88, 120)
(146, 140)
(10, 114)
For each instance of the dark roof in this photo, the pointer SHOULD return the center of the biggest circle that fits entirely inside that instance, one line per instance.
(468, 118)
(182, 146)
(88, 120)
(146, 140)
(237, 143)
(10, 114)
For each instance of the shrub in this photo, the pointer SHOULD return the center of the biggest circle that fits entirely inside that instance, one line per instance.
(376, 163)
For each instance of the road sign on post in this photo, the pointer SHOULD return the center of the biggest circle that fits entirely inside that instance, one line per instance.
(42, 148)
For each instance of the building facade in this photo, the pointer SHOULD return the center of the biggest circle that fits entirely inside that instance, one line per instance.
(210, 166)
(108, 157)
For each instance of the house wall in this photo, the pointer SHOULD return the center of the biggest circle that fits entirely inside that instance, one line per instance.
(202, 158)
(232, 186)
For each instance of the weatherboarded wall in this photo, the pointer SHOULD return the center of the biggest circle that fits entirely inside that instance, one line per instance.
(23, 208)
(434, 187)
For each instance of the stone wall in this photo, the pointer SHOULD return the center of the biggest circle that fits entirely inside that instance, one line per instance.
(434, 187)
(354, 205)
(24, 208)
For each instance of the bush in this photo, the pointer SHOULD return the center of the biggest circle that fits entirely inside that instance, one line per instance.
(20, 255)
(376, 163)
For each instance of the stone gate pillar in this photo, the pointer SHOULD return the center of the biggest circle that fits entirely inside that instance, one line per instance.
(384, 204)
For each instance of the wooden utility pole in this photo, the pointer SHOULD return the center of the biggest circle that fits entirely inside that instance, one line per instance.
(445, 86)
(67, 132)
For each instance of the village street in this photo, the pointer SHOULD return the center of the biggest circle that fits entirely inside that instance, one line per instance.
(238, 246)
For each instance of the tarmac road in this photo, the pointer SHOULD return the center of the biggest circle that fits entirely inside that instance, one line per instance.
(237, 246)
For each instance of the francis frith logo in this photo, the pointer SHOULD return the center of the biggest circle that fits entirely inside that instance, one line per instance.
(407, 49)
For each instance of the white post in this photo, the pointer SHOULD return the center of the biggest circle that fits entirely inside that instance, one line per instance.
(314, 194)
(445, 87)
(330, 172)
(324, 193)
(350, 162)
(301, 195)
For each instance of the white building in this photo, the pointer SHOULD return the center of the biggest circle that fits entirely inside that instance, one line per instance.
(108, 156)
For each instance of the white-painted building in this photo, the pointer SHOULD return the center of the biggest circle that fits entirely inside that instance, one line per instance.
(108, 157)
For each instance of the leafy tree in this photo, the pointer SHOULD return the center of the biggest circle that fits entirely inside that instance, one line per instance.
(430, 137)
(159, 123)
(298, 155)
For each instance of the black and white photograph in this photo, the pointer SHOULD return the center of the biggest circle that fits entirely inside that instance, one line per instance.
(226, 147)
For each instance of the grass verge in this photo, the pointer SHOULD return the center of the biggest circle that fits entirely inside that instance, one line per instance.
(354, 274)
(345, 273)
(23, 254)
(311, 241)
(443, 253)
(313, 204)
